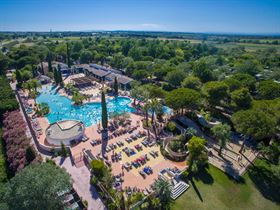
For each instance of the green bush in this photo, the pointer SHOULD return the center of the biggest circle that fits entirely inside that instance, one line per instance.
(48, 160)
(184, 176)
(98, 168)
(3, 167)
(171, 126)
(146, 125)
(8, 100)
(93, 180)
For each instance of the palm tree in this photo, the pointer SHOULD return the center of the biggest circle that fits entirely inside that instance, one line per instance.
(155, 203)
(155, 107)
(35, 84)
(134, 93)
(163, 190)
(222, 133)
(146, 109)
(27, 86)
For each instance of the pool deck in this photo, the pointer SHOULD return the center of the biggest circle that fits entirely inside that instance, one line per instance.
(132, 178)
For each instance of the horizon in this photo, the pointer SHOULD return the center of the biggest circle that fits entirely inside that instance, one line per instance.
(216, 17)
(148, 31)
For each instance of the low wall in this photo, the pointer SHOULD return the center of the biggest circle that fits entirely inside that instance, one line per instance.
(178, 156)
(46, 150)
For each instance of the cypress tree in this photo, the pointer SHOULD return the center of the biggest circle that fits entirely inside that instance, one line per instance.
(59, 74)
(55, 76)
(49, 58)
(68, 54)
(59, 77)
(104, 111)
(116, 86)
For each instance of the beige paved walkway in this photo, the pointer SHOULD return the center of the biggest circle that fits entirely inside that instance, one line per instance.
(81, 183)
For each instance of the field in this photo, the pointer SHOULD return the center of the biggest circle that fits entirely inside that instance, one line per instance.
(249, 46)
(214, 190)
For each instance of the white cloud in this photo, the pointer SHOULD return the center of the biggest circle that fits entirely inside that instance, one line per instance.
(150, 25)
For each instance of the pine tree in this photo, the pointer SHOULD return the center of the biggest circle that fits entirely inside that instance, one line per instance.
(116, 86)
(104, 111)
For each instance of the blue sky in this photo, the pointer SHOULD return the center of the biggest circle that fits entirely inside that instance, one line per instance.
(229, 16)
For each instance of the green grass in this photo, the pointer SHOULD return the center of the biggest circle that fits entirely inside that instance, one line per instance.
(71, 38)
(213, 189)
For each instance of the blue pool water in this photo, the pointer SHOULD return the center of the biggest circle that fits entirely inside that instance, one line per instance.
(167, 110)
(61, 107)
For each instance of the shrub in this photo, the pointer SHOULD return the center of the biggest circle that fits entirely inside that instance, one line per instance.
(42, 109)
(16, 140)
(30, 154)
(98, 168)
(48, 160)
(185, 175)
(85, 202)
(171, 126)
(93, 180)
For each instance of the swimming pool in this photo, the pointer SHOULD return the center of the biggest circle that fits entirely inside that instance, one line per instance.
(61, 107)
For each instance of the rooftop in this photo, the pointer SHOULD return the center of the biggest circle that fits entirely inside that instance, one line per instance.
(82, 80)
(96, 66)
(98, 72)
(121, 78)
(101, 71)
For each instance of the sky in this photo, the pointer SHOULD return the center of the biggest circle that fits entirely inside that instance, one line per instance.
(207, 16)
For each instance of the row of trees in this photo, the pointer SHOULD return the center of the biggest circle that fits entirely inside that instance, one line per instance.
(8, 100)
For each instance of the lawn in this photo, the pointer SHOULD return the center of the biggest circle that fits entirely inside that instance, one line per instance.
(213, 189)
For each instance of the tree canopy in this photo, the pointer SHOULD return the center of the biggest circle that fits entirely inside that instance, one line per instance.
(215, 91)
(192, 83)
(183, 98)
(252, 122)
(242, 98)
(36, 187)
(197, 153)
(268, 90)
(175, 77)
